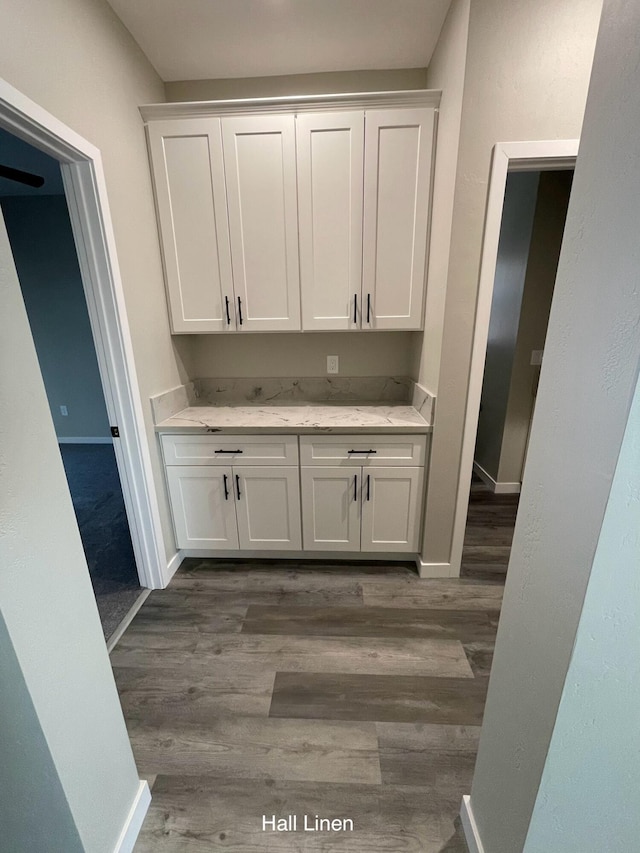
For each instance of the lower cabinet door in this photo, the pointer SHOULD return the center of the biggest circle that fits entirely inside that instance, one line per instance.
(391, 507)
(268, 507)
(203, 507)
(331, 508)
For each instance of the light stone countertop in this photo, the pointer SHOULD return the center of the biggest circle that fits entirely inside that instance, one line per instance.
(296, 419)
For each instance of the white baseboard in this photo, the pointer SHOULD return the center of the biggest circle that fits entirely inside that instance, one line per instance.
(500, 488)
(469, 826)
(433, 570)
(85, 439)
(135, 818)
(172, 566)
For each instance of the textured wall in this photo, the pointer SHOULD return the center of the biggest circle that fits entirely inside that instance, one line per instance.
(77, 60)
(329, 82)
(70, 705)
(587, 382)
(526, 78)
(596, 738)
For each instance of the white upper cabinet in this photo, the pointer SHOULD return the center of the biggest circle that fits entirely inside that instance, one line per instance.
(397, 181)
(281, 222)
(260, 165)
(188, 172)
(330, 157)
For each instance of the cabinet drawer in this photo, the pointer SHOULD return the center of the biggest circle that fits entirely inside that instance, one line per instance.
(230, 449)
(363, 450)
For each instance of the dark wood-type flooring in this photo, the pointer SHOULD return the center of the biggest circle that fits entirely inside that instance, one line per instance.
(340, 690)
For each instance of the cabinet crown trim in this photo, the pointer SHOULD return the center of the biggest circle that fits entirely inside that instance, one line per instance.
(293, 104)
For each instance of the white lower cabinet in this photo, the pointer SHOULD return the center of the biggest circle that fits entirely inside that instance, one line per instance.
(202, 505)
(391, 501)
(226, 508)
(268, 508)
(361, 508)
(249, 493)
(331, 509)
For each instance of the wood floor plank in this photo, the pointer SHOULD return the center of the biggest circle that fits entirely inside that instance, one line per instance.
(207, 598)
(440, 756)
(184, 695)
(256, 748)
(434, 594)
(164, 612)
(373, 621)
(295, 654)
(204, 814)
(269, 572)
(486, 554)
(381, 698)
(480, 656)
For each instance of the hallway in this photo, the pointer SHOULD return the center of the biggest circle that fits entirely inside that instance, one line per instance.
(339, 690)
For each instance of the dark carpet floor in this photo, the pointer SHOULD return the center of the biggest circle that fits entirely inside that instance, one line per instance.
(99, 506)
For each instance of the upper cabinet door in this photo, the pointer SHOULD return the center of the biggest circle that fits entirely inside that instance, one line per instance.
(330, 148)
(188, 172)
(397, 164)
(260, 164)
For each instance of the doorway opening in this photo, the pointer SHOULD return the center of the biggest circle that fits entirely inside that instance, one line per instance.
(531, 231)
(529, 190)
(36, 217)
(80, 165)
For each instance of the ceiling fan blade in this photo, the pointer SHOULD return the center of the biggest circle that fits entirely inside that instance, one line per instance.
(21, 177)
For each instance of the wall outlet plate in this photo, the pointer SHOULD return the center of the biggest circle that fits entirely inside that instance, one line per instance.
(64, 411)
(333, 364)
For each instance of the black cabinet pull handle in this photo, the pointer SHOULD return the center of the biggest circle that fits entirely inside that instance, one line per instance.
(226, 305)
(240, 309)
(362, 451)
(355, 487)
(368, 487)
(229, 451)
(238, 486)
(355, 308)
(226, 487)
(368, 307)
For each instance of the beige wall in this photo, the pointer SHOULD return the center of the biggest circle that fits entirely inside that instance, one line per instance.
(360, 354)
(446, 72)
(527, 73)
(329, 82)
(62, 709)
(75, 59)
(546, 238)
(587, 384)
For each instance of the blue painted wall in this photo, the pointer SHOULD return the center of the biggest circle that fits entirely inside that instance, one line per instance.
(45, 256)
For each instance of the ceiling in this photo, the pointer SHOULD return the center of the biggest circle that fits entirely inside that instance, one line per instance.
(209, 39)
(20, 155)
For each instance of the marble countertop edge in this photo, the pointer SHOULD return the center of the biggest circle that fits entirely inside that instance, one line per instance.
(312, 418)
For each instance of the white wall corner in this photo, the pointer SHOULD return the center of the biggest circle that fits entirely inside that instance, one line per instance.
(135, 818)
(172, 567)
(469, 826)
(433, 570)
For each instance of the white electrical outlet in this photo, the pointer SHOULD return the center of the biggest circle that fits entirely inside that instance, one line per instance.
(536, 357)
(332, 364)
(64, 411)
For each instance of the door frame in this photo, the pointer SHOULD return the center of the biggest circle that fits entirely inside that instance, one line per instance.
(86, 194)
(543, 155)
